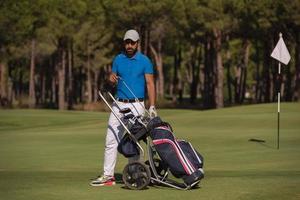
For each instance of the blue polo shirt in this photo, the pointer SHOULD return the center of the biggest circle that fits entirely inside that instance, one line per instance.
(132, 71)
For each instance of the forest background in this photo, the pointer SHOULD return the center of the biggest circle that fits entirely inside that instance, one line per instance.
(206, 54)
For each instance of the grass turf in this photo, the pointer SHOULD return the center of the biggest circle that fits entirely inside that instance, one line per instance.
(46, 154)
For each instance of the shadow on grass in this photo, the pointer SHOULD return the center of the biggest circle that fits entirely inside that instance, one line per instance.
(261, 142)
(119, 180)
(127, 188)
(118, 177)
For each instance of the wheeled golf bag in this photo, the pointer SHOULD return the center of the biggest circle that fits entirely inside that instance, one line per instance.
(180, 156)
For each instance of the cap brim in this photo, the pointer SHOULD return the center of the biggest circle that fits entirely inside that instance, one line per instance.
(128, 38)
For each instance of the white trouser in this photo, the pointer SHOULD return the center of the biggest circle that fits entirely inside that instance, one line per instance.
(115, 132)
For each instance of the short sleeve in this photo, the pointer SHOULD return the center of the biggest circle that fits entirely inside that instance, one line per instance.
(148, 66)
(115, 66)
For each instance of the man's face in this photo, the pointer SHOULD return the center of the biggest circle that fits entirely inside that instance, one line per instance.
(130, 47)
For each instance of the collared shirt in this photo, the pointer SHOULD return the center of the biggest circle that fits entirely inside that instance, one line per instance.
(132, 71)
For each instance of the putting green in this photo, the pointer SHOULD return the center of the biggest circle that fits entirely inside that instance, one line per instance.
(46, 154)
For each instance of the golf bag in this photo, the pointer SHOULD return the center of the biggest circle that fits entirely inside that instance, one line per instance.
(127, 147)
(182, 159)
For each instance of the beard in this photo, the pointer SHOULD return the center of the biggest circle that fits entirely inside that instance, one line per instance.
(130, 51)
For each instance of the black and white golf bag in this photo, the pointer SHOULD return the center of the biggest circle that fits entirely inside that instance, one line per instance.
(127, 146)
(180, 156)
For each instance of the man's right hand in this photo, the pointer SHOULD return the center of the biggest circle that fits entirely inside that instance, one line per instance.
(113, 78)
(152, 112)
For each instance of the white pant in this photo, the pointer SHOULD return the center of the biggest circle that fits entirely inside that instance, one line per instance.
(115, 132)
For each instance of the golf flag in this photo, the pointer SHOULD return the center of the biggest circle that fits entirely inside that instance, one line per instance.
(280, 52)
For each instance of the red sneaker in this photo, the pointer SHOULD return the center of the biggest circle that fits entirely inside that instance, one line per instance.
(103, 181)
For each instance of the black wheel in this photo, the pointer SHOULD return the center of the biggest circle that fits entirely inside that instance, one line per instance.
(136, 175)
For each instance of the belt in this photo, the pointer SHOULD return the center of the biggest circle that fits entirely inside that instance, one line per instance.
(129, 100)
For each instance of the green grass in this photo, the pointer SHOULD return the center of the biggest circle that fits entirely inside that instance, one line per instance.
(47, 154)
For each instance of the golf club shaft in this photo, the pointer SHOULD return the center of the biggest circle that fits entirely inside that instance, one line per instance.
(136, 99)
(118, 118)
(112, 97)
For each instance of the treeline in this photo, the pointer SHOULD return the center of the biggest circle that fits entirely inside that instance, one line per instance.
(57, 54)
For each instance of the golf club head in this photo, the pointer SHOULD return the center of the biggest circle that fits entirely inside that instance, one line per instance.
(125, 110)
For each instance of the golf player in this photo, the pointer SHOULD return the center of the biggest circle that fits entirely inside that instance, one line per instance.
(136, 70)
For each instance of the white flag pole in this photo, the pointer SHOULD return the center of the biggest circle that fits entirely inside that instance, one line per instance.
(278, 110)
(279, 96)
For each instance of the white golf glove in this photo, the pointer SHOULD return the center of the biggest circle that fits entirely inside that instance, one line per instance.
(152, 111)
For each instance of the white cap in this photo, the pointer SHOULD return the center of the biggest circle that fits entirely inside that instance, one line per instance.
(131, 35)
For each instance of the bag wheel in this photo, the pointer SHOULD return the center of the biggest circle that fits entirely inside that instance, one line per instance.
(136, 175)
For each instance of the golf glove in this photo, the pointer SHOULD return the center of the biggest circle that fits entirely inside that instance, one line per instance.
(152, 111)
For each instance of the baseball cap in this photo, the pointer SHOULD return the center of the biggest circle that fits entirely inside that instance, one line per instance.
(132, 35)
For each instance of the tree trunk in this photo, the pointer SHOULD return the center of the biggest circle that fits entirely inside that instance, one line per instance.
(241, 73)
(257, 74)
(195, 63)
(208, 92)
(96, 83)
(145, 38)
(296, 94)
(20, 86)
(159, 65)
(228, 74)
(173, 82)
(61, 81)
(89, 79)
(3, 85)
(246, 52)
(81, 85)
(237, 83)
(266, 72)
(43, 87)
(219, 97)
(288, 85)
(70, 75)
(147, 42)
(10, 92)
(53, 65)
(53, 91)
(177, 63)
(32, 98)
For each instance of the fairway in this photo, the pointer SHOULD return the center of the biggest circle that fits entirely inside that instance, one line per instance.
(48, 154)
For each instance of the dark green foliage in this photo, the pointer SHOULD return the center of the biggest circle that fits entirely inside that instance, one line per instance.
(196, 40)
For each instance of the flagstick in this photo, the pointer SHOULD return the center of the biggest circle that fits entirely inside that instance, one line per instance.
(278, 110)
(280, 53)
(279, 96)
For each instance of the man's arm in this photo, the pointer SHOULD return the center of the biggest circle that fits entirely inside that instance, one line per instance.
(150, 88)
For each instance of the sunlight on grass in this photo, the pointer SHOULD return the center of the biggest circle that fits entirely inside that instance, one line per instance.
(48, 154)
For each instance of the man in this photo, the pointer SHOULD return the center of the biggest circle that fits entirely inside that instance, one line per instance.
(135, 69)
